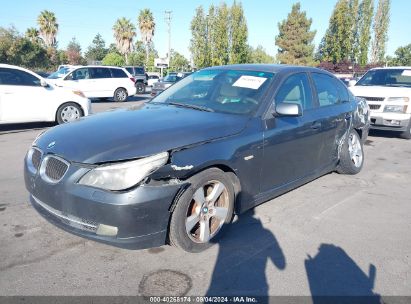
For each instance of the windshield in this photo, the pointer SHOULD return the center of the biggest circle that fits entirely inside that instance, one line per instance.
(225, 91)
(386, 77)
(60, 73)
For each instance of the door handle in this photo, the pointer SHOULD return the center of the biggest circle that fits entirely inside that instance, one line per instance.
(316, 125)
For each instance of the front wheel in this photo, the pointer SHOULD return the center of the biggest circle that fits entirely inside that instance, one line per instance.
(351, 154)
(68, 112)
(202, 211)
(120, 95)
(407, 133)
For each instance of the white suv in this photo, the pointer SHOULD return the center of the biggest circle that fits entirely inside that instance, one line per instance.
(27, 97)
(100, 82)
(388, 94)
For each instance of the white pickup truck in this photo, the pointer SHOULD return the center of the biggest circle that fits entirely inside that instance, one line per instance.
(388, 94)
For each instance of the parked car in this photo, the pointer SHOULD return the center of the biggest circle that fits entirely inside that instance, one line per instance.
(166, 82)
(141, 77)
(100, 82)
(152, 79)
(218, 142)
(388, 94)
(27, 97)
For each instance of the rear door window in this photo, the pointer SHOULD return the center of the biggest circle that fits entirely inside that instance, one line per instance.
(100, 73)
(326, 88)
(118, 73)
(296, 89)
(130, 70)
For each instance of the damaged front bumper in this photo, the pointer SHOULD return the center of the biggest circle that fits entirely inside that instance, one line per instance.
(133, 219)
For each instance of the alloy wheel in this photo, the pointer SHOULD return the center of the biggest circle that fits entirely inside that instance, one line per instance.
(70, 113)
(355, 150)
(207, 211)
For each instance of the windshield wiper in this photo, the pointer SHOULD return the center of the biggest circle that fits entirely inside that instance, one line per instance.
(191, 106)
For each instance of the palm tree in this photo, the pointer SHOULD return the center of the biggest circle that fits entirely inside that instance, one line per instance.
(33, 34)
(48, 27)
(147, 26)
(124, 33)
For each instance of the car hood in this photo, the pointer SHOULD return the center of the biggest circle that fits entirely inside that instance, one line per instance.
(380, 91)
(136, 132)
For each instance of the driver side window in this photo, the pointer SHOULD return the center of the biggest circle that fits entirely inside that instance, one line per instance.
(296, 89)
(79, 74)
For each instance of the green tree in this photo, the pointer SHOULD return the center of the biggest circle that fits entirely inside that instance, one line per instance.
(199, 42)
(124, 33)
(295, 39)
(114, 59)
(220, 28)
(259, 55)
(337, 41)
(97, 50)
(364, 27)
(18, 50)
(33, 35)
(178, 62)
(402, 56)
(355, 21)
(238, 35)
(147, 26)
(380, 27)
(47, 22)
(73, 52)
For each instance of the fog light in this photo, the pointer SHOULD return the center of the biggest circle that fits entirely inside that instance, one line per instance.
(106, 230)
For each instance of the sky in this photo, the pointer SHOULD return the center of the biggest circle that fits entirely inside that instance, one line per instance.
(84, 19)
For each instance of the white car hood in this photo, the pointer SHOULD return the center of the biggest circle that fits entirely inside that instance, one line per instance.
(380, 91)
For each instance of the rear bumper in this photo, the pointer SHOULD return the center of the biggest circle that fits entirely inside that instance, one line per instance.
(134, 219)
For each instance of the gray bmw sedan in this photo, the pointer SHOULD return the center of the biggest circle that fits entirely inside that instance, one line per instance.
(176, 169)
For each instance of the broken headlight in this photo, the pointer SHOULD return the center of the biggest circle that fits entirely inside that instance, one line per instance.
(124, 175)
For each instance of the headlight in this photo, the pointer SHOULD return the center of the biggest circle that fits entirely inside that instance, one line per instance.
(124, 175)
(395, 109)
(79, 93)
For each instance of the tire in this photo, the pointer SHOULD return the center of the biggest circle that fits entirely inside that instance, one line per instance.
(68, 112)
(407, 133)
(120, 95)
(141, 88)
(351, 154)
(196, 204)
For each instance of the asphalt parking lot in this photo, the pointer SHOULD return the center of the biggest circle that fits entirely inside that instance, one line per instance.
(338, 235)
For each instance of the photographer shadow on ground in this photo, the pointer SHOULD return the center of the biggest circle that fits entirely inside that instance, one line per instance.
(244, 252)
(335, 278)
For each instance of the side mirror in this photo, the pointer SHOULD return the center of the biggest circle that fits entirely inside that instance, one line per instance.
(288, 109)
(43, 83)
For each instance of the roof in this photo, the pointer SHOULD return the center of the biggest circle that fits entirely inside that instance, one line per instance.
(393, 68)
(273, 68)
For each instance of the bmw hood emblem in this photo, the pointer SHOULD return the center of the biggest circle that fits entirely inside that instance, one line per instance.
(51, 145)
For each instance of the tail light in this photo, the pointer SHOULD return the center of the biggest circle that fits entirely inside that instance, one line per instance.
(132, 79)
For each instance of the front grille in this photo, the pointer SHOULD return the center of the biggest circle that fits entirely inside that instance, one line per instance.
(372, 98)
(374, 107)
(68, 219)
(54, 168)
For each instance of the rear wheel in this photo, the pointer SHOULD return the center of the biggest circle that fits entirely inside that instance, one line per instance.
(68, 112)
(120, 95)
(351, 154)
(202, 211)
(141, 88)
(407, 133)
